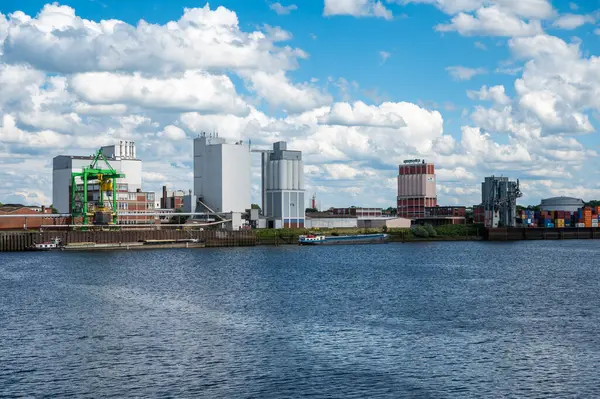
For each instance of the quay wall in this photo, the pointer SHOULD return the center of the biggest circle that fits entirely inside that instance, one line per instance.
(21, 240)
(566, 233)
(13, 241)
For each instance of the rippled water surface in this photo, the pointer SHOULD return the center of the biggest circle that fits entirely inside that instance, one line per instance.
(434, 320)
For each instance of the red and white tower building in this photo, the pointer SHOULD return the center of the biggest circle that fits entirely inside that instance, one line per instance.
(416, 188)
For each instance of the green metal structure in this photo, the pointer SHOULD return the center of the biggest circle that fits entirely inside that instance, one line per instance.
(107, 181)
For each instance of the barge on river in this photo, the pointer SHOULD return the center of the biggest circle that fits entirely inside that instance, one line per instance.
(314, 239)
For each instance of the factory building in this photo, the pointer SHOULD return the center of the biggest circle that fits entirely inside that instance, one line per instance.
(416, 188)
(499, 199)
(443, 215)
(221, 175)
(121, 157)
(566, 204)
(358, 212)
(171, 199)
(283, 187)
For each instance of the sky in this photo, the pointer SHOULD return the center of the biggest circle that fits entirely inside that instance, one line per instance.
(478, 87)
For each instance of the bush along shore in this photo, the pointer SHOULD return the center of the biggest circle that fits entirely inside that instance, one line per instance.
(416, 233)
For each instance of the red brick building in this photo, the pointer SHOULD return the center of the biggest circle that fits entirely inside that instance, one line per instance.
(171, 199)
(127, 202)
(457, 211)
(24, 222)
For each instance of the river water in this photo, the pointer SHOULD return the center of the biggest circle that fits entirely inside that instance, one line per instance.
(423, 320)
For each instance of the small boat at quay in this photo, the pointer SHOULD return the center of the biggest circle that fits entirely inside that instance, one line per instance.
(55, 243)
(319, 239)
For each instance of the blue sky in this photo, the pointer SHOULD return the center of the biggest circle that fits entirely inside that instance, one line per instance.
(478, 87)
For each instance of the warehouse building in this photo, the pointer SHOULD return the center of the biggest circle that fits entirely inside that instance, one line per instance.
(566, 204)
(329, 220)
(358, 212)
(416, 188)
(22, 222)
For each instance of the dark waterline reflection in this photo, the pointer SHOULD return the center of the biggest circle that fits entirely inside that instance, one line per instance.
(431, 320)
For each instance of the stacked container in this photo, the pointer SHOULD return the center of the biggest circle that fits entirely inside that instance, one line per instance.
(587, 217)
(527, 218)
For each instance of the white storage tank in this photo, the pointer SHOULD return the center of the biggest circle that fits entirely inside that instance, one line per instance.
(290, 173)
(282, 174)
(295, 175)
(276, 175)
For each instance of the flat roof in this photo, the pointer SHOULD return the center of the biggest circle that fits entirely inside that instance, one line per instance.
(440, 217)
(326, 215)
(89, 158)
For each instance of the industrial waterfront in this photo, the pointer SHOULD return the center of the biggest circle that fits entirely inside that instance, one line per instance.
(104, 192)
(467, 319)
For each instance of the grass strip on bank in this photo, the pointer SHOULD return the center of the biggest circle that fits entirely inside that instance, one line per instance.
(416, 233)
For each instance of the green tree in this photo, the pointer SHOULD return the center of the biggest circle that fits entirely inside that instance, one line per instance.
(593, 203)
(311, 210)
(430, 230)
(255, 206)
(419, 231)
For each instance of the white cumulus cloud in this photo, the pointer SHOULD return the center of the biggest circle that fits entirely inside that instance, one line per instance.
(491, 21)
(573, 21)
(464, 73)
(281, 9)
(58, 40)
(494, 93)
(357, 8)
(361, 114)
(192, 91)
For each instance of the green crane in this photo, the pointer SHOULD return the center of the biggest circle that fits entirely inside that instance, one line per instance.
(107, 181)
